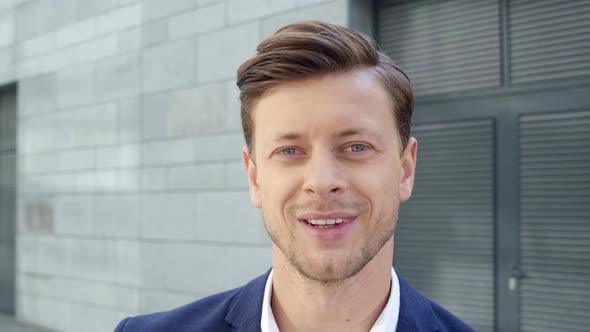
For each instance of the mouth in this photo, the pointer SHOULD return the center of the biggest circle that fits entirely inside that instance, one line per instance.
(324, 223)
(328, 228)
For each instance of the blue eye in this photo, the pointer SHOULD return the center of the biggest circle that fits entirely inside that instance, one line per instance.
(357, 147)
(288, 151)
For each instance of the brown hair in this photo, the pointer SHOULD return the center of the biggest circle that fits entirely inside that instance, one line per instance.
(311, 49)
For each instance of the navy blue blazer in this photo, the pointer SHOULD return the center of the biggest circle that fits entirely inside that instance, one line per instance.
(240, 310)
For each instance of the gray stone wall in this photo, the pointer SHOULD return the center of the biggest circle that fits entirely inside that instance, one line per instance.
(131, 194)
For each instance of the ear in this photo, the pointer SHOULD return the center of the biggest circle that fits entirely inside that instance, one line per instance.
(408, 168)
(252, 174)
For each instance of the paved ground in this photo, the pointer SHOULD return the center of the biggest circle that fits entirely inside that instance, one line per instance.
(9, 324)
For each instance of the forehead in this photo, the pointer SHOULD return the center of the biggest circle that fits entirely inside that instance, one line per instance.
(357, 96)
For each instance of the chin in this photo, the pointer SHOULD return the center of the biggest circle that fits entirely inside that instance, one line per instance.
(331, 271)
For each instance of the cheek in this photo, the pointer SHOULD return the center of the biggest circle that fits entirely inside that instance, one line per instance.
(385, 191)
(276, 188)
(389, 194)
(377, 192)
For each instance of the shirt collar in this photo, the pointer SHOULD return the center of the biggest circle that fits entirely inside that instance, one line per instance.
(268, 322)
(387, 320)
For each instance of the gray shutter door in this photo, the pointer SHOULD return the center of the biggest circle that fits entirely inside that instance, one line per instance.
(549, 39)
(444, 243)
(555, 221)
(443, 45)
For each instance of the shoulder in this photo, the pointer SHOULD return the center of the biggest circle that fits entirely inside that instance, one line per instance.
(206, 314)
(218, 312)
(447, 321)
(417, 313)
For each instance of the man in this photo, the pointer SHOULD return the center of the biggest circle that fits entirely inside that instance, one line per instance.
(329, 158)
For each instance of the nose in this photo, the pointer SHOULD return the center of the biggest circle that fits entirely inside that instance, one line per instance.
(323, 176)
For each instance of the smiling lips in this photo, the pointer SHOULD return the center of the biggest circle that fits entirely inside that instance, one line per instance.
(327, 228)
(324, 223)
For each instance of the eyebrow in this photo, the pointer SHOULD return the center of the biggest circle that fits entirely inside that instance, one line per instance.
(288, 137)
(292, 136)
(349, 132)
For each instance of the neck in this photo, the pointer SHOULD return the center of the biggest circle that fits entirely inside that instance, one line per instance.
(354, 304)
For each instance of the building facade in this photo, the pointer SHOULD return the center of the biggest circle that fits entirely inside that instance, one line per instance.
(122, 188)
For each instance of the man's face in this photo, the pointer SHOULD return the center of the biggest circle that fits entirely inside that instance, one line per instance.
(328, 172)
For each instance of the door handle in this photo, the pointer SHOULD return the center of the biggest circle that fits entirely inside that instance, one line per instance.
(516, 275)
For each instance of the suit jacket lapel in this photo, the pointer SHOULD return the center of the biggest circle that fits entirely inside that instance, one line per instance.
(245, 312)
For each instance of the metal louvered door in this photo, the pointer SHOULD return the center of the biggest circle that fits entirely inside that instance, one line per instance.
(445, 237)
(444, 46)
(445, 241)
(555, 221)
(498, 227)
(549, 40)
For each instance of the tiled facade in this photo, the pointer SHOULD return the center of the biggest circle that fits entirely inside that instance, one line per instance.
(131, 193)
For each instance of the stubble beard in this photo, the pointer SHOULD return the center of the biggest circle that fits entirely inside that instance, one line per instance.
(333, 273)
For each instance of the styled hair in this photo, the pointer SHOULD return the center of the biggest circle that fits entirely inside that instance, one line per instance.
(311, 49)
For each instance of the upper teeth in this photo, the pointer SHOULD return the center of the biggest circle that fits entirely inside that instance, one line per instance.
(324, 221)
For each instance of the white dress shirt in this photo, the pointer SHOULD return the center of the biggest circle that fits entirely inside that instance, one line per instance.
(387, 320)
